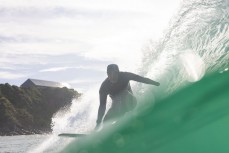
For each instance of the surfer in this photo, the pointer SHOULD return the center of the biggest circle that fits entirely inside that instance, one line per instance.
(117, 86)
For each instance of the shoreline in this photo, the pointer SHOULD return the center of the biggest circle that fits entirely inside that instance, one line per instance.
(23, 131)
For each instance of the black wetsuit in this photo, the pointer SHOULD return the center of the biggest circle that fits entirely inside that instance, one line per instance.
(112, 89)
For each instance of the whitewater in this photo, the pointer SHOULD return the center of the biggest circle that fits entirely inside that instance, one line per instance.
(192, 54)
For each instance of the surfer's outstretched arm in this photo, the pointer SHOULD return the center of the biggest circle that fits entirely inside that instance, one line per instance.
(138, 78)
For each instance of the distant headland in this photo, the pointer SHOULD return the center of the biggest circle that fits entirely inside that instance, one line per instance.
(29, 109)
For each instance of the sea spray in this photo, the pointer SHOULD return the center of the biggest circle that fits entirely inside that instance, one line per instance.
(80, 117)
(200, 28)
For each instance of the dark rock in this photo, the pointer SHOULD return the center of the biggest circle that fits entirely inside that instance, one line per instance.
(26, 111)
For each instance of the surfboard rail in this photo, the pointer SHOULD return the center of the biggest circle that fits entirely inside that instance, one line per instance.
(73, 135)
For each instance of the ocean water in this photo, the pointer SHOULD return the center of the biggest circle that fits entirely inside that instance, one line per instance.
(194, 119)
(189, 112)
(20, 144)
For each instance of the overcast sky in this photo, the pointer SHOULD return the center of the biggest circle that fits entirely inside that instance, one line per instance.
(72, 41)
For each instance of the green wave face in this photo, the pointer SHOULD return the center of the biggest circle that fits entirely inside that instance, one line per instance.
(194, 119)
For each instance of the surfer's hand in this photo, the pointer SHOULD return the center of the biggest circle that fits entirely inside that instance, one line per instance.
(157, 84)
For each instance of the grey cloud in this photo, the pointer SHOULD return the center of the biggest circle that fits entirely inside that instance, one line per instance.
(55, 12)
(20, 38)
(40, 62)
(32, 39)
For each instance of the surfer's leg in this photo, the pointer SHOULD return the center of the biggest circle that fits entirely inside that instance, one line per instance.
(110, 115)
(124, 102)
(115, 110)
(129, 101)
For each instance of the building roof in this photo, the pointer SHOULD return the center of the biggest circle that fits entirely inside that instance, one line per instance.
(46, 83)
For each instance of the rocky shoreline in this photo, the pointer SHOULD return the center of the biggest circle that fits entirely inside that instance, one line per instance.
(26, 111)
(22, 131)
